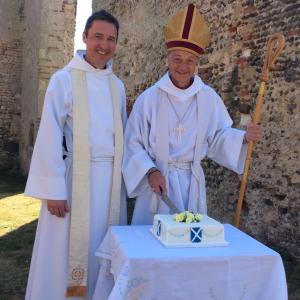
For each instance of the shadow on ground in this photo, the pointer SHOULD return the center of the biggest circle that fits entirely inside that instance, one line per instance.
(11, 184)
(15, 255)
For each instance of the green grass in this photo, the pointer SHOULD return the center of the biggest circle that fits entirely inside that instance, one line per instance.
(17, 230)
(15, 254)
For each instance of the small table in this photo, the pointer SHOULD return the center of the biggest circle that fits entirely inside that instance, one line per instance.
(135, 265)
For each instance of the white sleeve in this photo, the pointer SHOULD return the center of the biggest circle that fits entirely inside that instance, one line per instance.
(46, 179)
(136, 161)
(225, 144)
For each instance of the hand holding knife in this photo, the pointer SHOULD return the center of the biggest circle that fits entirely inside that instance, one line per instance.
(157, 183)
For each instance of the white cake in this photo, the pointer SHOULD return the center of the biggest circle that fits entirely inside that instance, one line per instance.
(206, 233)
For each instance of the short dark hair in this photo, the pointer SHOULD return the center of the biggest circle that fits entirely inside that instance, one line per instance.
(101, 15)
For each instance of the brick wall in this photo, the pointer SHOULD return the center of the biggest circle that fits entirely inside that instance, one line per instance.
(11, 44)
(233, 66)
(36, 38)
(50, 27)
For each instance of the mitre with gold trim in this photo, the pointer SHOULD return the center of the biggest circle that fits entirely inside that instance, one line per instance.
(187, 31)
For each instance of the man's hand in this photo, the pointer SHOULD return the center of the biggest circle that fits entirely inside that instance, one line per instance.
(58, 208)
(254, 133)
(157, 182)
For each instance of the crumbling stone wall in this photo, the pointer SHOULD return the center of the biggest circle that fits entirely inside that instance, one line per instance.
(50, 27)
(11, 45)
(36, 38)
(232, 66)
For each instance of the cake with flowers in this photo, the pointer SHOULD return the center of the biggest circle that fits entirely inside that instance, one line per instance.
(188, 230)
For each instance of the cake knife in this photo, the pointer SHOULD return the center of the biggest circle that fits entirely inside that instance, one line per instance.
(169, 203)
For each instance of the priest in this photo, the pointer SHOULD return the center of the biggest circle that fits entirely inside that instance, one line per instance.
(78, 181)
(175, 124)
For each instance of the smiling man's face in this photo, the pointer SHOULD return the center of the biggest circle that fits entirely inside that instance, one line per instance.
(101, 43)
(182, 66)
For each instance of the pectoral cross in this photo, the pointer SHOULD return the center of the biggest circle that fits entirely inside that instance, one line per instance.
(180, 130)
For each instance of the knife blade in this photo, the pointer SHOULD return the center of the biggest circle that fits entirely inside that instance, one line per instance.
(169, 203)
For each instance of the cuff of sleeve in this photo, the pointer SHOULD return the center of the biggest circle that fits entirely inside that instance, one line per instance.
(152, 170)
(50, 188)
(242, 158)
(138, 183)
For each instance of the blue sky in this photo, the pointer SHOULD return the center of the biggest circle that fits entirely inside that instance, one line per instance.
(84, 10)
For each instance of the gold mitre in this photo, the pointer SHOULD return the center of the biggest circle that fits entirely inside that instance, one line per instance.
(187, 31)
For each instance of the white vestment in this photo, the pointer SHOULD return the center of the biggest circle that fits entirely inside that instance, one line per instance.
(152, 141)
(50, 177)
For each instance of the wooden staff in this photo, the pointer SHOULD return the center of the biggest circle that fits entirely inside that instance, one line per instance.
(275, 45)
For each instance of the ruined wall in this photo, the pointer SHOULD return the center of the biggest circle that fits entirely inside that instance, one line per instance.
(232, 66)
(11, 44)
(30, 80)
(36, 38)
(50, 27)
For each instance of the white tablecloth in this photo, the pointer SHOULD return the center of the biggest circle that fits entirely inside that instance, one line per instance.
(137, 266)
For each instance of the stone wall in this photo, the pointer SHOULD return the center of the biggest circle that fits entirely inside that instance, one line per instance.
(50, 27)
(11, 44)
(36, 38)
(233, 66)
(30, 80)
